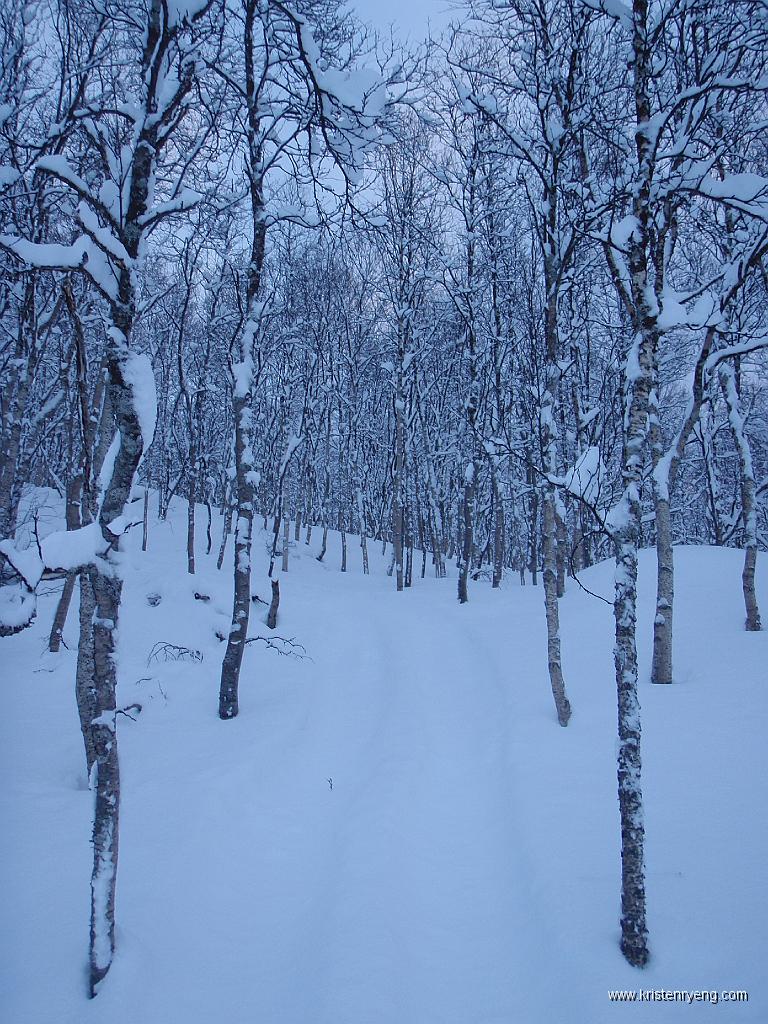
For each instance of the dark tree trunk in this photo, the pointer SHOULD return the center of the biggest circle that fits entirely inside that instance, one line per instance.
(227, 526)
(145, 521)
(62, 609)
(467, 537)
(241, 606)
(274, 604)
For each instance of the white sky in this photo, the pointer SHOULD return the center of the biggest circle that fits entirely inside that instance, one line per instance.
(410, 17)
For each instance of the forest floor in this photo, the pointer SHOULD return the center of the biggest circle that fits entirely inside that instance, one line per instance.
(394, 830)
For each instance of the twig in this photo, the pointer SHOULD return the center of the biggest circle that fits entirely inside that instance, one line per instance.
(297, 650)
(173, 652)
(129, 707)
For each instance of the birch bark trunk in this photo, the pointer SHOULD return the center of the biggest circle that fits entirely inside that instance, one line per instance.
(748, 489)
(243, 384)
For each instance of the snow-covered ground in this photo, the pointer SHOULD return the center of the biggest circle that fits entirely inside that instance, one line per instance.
(394, 830)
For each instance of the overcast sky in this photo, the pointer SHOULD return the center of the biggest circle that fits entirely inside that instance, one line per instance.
(410, 17)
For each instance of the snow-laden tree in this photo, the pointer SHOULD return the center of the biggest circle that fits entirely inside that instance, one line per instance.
(304, 111)
(124, 165)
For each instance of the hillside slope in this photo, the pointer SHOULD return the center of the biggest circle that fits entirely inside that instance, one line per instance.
(394, 830)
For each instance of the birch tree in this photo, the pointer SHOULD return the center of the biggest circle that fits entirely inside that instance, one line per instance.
(300, 107)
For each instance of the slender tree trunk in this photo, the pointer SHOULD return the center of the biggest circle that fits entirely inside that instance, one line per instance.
(242, 387)
(227, 526)
(664, 475)
(107, 590)
(361, 527)
(562, 704)
(748, 489)
(145, 521)
(191, 525)
(12, 436)
(233, 656)
(391, 567)
(533, 558)
(397, 495)
(324, 545)
(85, 674)
(561, 537)
(661, 670)
(639, 381)
(73, 521)
(286, 535)
(467, 538)
(106, 779)
(343, 542)
(498, 533)
(55, 640)
(274, 604)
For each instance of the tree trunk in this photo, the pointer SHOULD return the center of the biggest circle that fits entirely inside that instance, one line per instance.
(286, 535)
(107, 591)
(145, 520)
(191, 527)
(106, 779)
(467, 537)
(73, 521)
(62, 609)
(227, 526)
(361, 527)
(562, 704)
(274, 604)
(85, 674)
(747, 485)
(533, 559)
(324, 544)
(498, 533)
(397, 495)
(561, 536)
(343, 543)
(661, 670)
(233, 656)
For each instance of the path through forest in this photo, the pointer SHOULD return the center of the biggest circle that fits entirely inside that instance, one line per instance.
(394, 830)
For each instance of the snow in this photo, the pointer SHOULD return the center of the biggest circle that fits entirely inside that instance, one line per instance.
(47, 254)
(26, 561)
(394, 830)
(585, 477)
(61, 168)
(744, 188)
(622, 231)
(72, 548)
(102, 947)
(180, 11)
(17, 606)
(617, 9)
(138, 373)
(242, 374)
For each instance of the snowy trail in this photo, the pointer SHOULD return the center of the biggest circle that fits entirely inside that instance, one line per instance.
(401, 891)
(422, 844)
(406, 900)
(462, 869)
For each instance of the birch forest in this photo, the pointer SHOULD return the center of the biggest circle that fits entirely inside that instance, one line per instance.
(324, 357)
